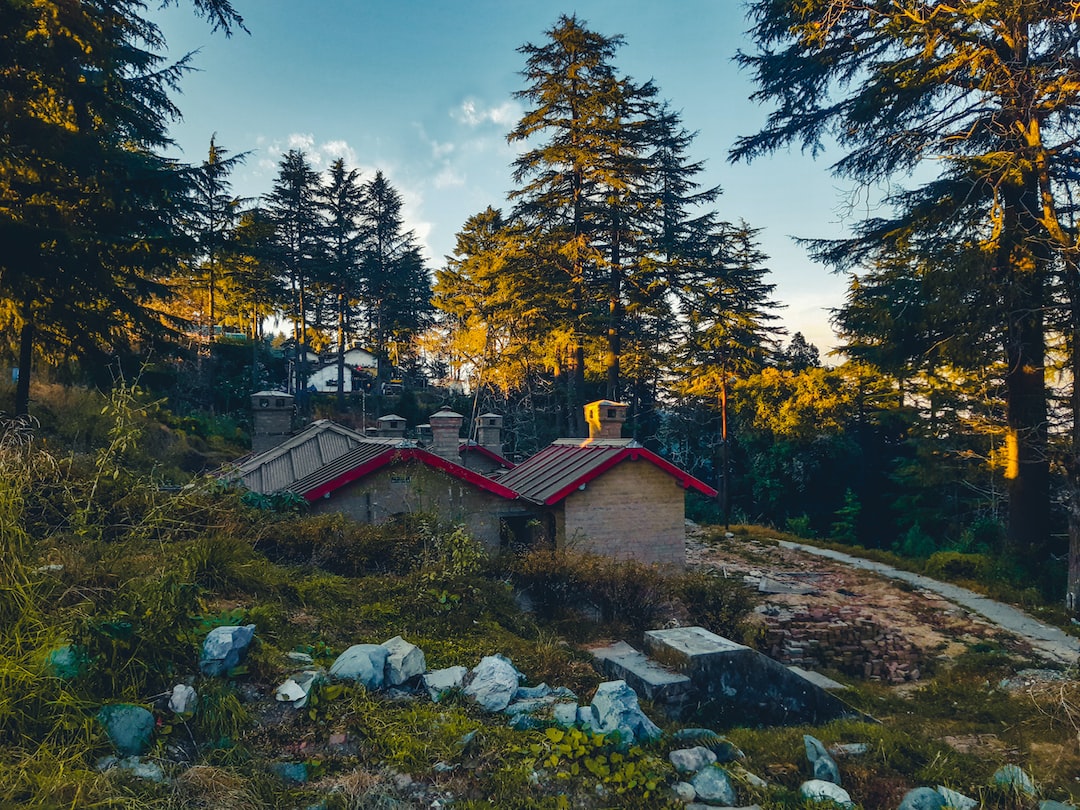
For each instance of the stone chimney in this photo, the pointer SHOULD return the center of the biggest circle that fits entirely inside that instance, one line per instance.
(391, 426)
(605, 419)
(446, 435)
(271, 419)
(489, 432)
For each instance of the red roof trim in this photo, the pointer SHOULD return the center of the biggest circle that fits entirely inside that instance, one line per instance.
(686, 481)
(465, 447)
(393, 454)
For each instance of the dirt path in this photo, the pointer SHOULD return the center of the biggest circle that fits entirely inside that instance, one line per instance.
(814, 598)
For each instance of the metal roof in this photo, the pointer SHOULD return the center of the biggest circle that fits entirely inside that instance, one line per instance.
(277, 468)
(368, 457)
(566, 464)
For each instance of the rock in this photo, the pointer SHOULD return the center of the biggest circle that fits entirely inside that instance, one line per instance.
(363, 663)
(526, 722)
(922, 798)
(296, 689)
(441, 681)
(130, 727)
(615, 707)
(849, 749)
(299, 657)
(136, 766)
(295, 772)
(691, 760)
(532, 692)
(494, 682)
(533, 706)
(1013, 776)
(183, 699)
(955, 800)
(725, 750)
(1047, 804)
(586, 718)
(66, 662)
(819, 790)
(404, 662)
(712, 784)
(821, 764)
(564, 714)
(684, 792)
(564, 693)
(224, 648)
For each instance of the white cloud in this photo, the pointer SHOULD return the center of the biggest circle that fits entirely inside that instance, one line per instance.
(448, 178)
(473, 114)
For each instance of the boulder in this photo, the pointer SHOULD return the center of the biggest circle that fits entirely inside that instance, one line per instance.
(684, 792)
(712, 784)
(691, 760)
(1014, 777)
(66, 662)
(493, 683)
(224, 648)
(564, 714)
(183, 699)
(822, 765)
(441, 681)
(615, 707)
(922, 798)
(363, 663)
(404, 661)
(532, 692)
(819, 790)
(129, 727)
(955, 800)
(296, 689)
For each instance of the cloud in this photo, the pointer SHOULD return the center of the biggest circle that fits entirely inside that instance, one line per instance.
(472, 113)
(448, 178)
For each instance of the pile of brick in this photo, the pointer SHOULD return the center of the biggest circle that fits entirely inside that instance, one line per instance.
(847, 640)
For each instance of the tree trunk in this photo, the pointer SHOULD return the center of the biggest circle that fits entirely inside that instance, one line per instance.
(614, 337)
(26, 356)
(724, 490)
(341, 351)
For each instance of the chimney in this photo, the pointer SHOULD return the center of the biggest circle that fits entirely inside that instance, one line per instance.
(271, 419)
(391, 426)
(605, 419)
(446, 435)
(489, 432)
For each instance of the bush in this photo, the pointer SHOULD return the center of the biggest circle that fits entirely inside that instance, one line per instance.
(800, 527)
(714, 602)
(955, 565)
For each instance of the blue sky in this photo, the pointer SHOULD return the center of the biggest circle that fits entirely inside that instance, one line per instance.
(423, 89)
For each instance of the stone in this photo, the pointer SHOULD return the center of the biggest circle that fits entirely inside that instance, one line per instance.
(819, 790)
(183, 699)
(136, 766)
(66, 662)
(564, 714)
(404, 661)
(821, 764)
(494, 681)
(129, 727)
(586, 718)
(441, 681)
(363, 663)
(646, 677)
(532, 692)
(725, 750)
(532, 706)
(691, 760)
(297, 689)
(1013, 776)
(301, 658)
(955, 800)
(564, 693)
(295, 772)
(741, 685)
(684, 792)
(1047, 804)
(712, 784)
(819, 680)
(849, 749)
(922, 798)
(224, 648)
(615, 707)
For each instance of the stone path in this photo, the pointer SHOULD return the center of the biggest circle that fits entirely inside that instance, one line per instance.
(1052, 642)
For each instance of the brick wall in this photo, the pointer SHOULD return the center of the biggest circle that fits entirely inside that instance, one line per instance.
(634, 510)
(845, 639)
(410, 486)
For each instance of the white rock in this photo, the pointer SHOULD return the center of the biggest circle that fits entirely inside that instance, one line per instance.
(441, 681)
(691, 760)
(956, 800)
(712, 784)
(684, 792)
(404, 661)
(363, 663)
(493, 683)
(821, 791)
(616, 708)
(183, 699)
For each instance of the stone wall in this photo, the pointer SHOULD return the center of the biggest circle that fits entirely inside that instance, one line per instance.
(847, 640)
(634, 510)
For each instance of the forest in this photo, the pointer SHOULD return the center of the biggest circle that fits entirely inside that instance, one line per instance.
(947, 420)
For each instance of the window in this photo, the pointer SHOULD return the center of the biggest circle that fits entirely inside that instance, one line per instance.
(611, 414)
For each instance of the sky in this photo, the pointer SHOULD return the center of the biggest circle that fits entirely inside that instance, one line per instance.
(423, 90)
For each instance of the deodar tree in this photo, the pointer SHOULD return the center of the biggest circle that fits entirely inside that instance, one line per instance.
(980, 97)
(88, 209)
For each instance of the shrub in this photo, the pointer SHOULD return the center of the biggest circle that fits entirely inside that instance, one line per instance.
(800, 527)
(955, 565)
(713, 601)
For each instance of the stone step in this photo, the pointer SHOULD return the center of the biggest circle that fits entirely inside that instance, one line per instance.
(644, 676)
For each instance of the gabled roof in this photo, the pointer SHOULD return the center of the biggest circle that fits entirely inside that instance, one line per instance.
(368, 457)
(473, 447)
(277, 468)
(566, 464)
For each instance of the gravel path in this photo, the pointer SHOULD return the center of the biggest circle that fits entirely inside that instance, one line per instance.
(1051, 641)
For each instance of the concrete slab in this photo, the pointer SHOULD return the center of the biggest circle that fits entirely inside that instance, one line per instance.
(644, 676)
(737, 685)
(818, 679)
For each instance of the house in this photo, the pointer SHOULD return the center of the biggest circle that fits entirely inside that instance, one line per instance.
(608, 495)
(605, 494)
